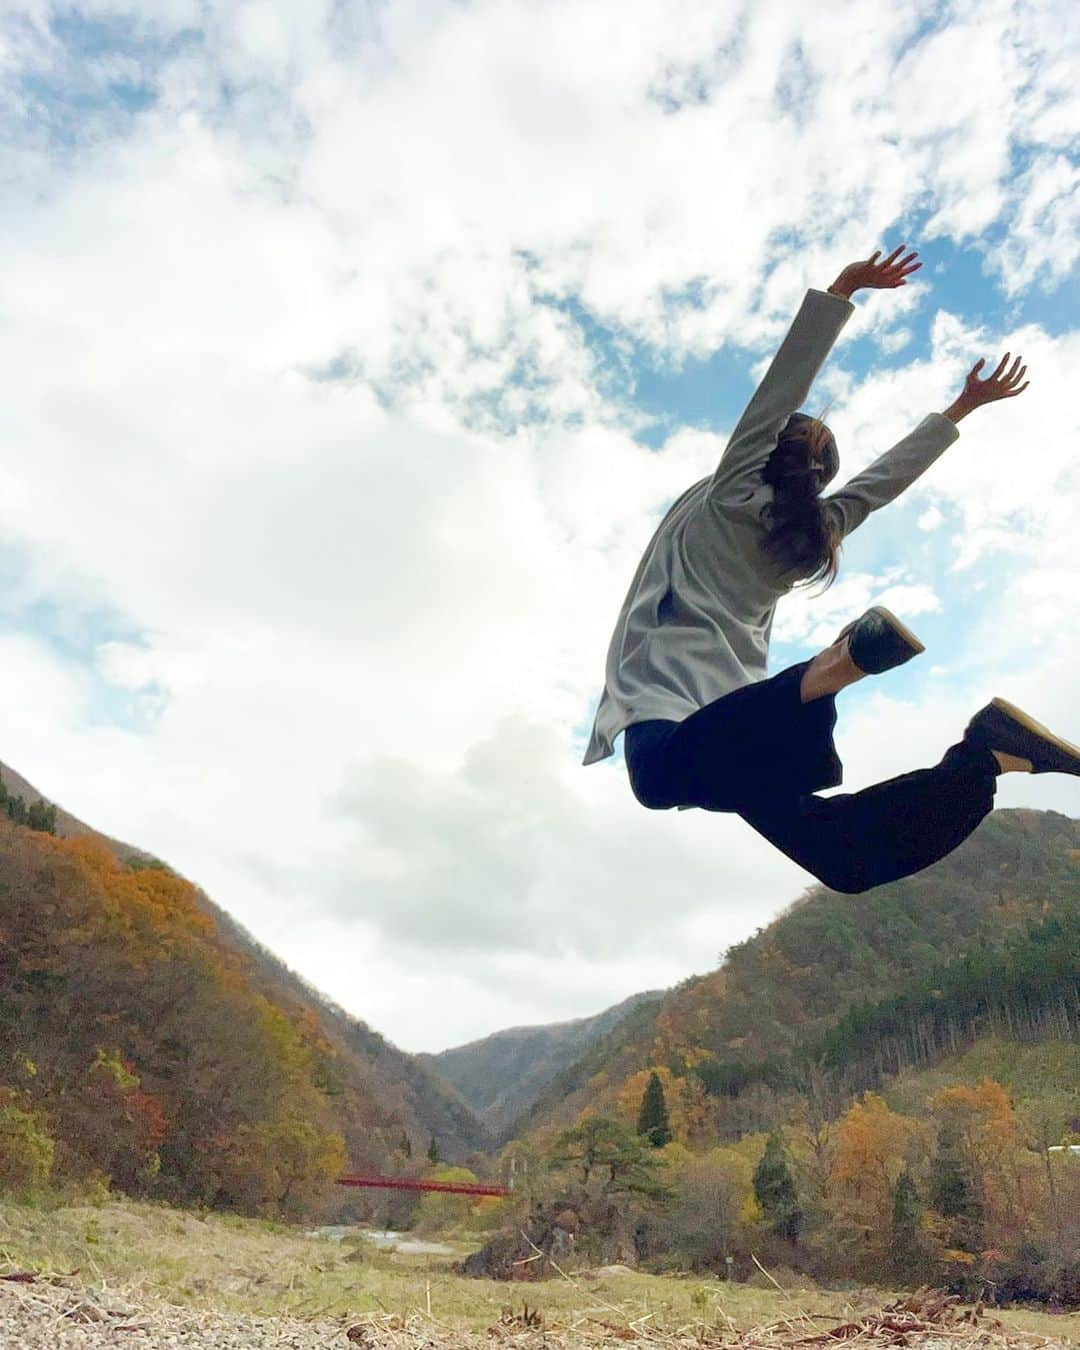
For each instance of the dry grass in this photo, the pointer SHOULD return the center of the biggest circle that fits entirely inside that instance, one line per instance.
(228, 1267)
(918, 1320)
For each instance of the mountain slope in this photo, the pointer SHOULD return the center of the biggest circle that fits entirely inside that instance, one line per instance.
(797, 977)
(67, 825)
(501, 1075)
(119, 977)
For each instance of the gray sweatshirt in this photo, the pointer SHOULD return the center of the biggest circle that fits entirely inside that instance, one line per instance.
(695, 624)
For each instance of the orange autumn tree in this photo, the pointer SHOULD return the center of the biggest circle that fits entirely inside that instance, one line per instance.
(1007, 1176)
(873, 1144)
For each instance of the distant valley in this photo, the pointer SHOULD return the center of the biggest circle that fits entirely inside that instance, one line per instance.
(502, 1075)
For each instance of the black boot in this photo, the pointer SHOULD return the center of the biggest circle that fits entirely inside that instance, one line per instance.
(1002, 726)
(878, 641)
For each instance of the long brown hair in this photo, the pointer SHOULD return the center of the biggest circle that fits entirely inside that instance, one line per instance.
(799, 535)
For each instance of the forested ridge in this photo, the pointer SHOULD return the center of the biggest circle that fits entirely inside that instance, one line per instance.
(148, 1043)
(1029, 989)
(882, 1087)
(831, 960)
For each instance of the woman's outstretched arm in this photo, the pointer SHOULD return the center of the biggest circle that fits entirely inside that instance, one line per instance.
(884, 480)
(794, 368)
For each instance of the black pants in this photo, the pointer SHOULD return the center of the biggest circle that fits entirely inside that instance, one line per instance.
(761, 753)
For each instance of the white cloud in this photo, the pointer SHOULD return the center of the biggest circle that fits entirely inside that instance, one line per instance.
(813, 617)
(894, 341)
(1044, 242)
(296, 392)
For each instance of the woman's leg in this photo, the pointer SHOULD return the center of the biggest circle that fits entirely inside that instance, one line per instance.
(877, 641)
(829, 672)
(656, 777)
(764, 750)
(854, 841)
(757, 741)
(776, 735)
(760, 739)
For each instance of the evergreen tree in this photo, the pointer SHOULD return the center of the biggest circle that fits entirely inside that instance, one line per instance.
(41, 816)
(406, 1145)
(653, 1117)
(774, 1188)
(905, 1239)
(433, 1151)
(608, 1151)
(954, 1192)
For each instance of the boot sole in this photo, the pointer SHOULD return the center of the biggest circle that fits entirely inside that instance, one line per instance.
(903, 630)
(1037, 728)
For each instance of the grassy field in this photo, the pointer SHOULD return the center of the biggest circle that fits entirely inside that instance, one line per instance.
(247, 1266)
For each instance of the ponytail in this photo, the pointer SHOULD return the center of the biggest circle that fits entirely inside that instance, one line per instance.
(799, 536)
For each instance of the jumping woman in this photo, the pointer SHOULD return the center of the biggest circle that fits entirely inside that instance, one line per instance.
(686, 668)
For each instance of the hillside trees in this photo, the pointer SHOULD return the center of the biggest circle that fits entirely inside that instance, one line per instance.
(38, 815)
(279, 1166)
(1028, 990)
(156, 1063)
(1027, 987)
(111, 1126)
(985, 942)
(26, 1149)
(953, 1194)
(712, 1212)
(841, 1025)
(686, 1105)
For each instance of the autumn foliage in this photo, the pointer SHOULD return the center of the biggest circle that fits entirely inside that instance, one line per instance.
(885, 1089)
(137, 1047)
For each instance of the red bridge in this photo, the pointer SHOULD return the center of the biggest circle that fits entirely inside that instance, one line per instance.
(411, 1184)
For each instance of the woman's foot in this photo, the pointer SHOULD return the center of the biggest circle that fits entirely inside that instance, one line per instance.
(878, 641)
(874, 642)
(1017, 740)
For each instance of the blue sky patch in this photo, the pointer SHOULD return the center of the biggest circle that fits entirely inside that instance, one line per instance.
(101, 72)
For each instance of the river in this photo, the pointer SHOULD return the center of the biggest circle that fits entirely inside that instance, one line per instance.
(385, 1238)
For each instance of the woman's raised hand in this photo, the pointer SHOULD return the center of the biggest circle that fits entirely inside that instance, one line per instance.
(885, 275)
(977, 392)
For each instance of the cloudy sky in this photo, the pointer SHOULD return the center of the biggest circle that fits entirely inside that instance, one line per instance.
(351, 353)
